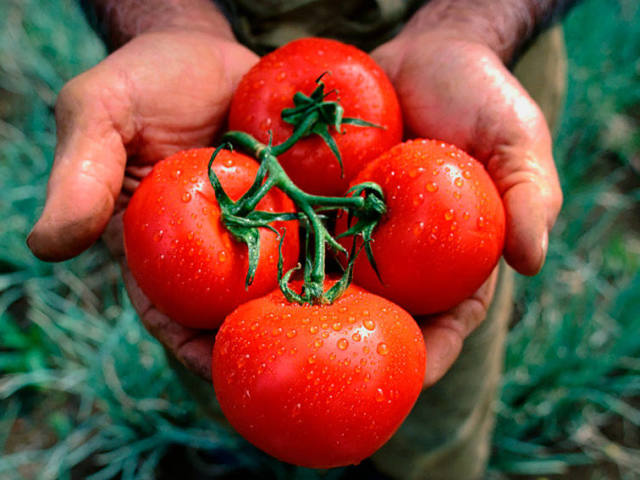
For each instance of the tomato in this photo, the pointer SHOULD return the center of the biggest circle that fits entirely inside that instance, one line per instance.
(443, 232)
(364, 91)
(180, 253)
(318, 385)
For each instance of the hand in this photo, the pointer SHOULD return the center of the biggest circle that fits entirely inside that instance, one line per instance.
(162, 92)
(459, 91)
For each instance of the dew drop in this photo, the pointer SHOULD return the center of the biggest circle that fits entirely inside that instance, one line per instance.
(158, 236)
(343, 344)
(448, 215)
(222, 256)
(459, 182)
(356, 337)
(379, 395)
(480, 222)
(466, 174)
(337, 326)
(432, 187)
(369, 324)
(318, 343)
(465, 215)
(291, 333)
(382, 348)
(312, 359)
(313, 329)
(418, 228)
(186, 197)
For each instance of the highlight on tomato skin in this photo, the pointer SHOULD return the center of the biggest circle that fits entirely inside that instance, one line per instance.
(318, 386)
(353, 77)
(180, 253)
(443, 232)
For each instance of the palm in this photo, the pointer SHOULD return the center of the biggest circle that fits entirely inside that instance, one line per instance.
(160, 93)
(460, 92)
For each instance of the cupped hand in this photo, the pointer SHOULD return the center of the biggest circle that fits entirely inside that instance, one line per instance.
(161, 92)
(459, 91)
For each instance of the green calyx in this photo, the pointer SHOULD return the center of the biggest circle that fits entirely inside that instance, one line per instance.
(314, 115)
(365, 202)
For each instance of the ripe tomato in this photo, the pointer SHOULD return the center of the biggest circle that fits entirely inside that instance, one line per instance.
(443, 232)
(318, 385)
(364, 91)
(179, 251)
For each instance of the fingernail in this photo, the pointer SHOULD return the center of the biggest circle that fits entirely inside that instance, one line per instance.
(544, 246)
(29, 240)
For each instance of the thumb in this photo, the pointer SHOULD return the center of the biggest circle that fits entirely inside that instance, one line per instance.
(88, 167)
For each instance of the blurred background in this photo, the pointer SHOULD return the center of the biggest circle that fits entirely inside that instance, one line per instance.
(85, 392)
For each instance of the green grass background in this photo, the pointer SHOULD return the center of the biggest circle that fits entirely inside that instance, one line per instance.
(85, 392)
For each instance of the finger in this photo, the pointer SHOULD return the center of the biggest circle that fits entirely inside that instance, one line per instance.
(88, 167)
(444, 334)
(525, 175)
(193, 348)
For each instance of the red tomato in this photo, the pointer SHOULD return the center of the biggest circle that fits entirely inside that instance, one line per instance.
(364, 91)
(179, 251)
(318, 385)
(443, 232)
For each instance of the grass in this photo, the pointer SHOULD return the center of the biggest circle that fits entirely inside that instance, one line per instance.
(85, 392)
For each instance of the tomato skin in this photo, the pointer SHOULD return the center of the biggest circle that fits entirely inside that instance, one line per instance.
(364, 91)
(319, 386)
(180, 253)
(443, 232)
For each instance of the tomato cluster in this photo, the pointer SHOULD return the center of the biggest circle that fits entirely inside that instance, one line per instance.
(317, 372)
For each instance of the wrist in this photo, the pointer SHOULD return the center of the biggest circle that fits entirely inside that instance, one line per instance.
(118, 21)
(503, 26)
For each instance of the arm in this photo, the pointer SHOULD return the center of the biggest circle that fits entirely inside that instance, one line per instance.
(166, 88)
(505, 26)
(448, 67)
(120, 21)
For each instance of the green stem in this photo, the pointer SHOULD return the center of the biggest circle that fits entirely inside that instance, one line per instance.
(271, 174)
(300, 131)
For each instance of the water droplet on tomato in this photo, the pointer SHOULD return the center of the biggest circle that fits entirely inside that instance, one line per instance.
(382, 348)
(369, 324)
(458, 182)
(276, 331)
(343, 344)
(418, 228)
(337, 326)
(454, 226)
(379, 395)
(158, 235)
(281, 76)
(312, 359)
(465, 215)
(466, 174)
(356, 337)
(448, 215)
(222, 256)
(313, 329)
(440, 161)
(432, 187)
(318, 343)
(291, 333)
(480, 222)
(418, 199)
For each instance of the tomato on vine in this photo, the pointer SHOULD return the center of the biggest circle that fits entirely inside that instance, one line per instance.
(318, 385)
(266, 103)
(180, 253)
(443, 232)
